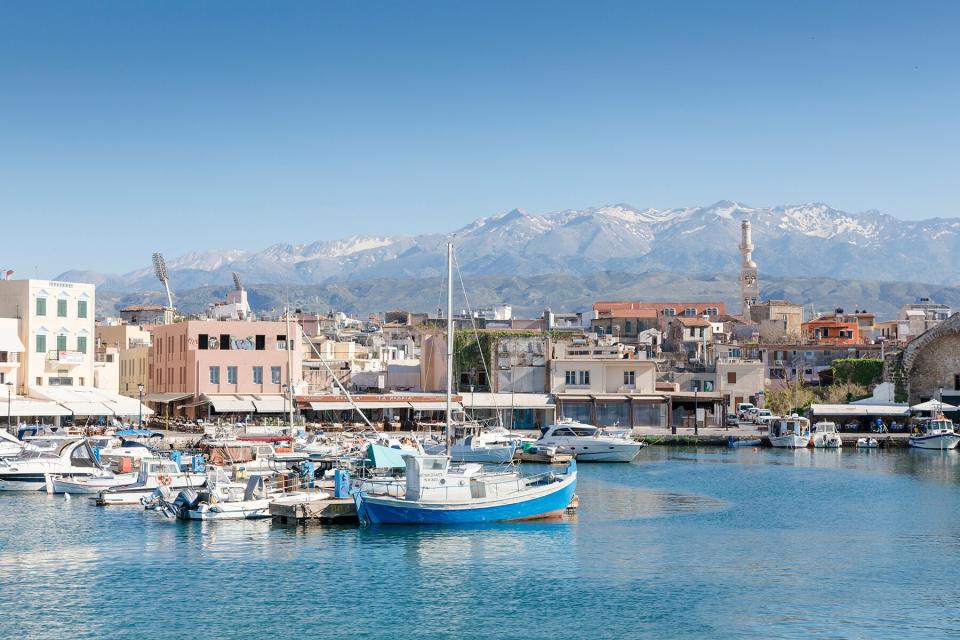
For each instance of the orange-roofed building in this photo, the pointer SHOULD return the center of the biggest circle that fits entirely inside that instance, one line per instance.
(830, 330)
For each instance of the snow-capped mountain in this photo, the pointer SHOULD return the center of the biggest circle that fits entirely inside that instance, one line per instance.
(797, 240)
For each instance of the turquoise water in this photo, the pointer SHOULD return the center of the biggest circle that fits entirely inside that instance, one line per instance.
(682, 543)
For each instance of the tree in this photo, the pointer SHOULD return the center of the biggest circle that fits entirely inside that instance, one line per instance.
(792, 398)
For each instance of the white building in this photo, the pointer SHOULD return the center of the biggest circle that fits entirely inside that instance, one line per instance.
(11, 350)
(56, 329)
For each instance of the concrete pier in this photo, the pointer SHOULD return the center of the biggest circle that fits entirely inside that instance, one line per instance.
(304, 508)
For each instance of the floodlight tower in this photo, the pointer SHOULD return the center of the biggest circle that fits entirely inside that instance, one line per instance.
(160, 269)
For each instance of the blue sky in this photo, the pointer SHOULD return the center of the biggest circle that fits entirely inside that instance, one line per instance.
(128, 127)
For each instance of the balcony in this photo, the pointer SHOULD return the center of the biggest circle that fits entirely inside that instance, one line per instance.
(9, 357)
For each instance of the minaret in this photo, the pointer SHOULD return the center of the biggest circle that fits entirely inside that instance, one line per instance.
(749, 284)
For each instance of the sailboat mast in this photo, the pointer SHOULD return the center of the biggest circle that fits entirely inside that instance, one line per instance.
(449, 343)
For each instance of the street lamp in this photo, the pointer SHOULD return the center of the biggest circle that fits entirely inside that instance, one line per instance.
(140, 419)
(696, 410)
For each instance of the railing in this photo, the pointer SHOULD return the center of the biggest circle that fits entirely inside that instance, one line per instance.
(9, 356)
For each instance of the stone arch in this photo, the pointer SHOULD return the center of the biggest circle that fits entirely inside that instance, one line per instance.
(949, 327)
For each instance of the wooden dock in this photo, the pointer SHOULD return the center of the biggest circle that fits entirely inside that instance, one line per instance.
(542, 458)
(305, 508)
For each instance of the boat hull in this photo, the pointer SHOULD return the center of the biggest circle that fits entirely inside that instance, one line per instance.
(551, 502)
(247, 510)
(90, 485)
(940, 442)
(827, 442)
(28, 481)
(790, 442)
(610, 453)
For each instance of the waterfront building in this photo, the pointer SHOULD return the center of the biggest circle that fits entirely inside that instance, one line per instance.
(207, 368)
(132, 344)
(11, 350)
(601, 382)
(56, 326)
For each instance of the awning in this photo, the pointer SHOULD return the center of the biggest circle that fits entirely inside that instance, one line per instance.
(609, 396)
(382, 457)
(10, 341)
(860, 410)
(506, 400)
(88, 409)
(89, 401)
(435, 406)
(26, 407)
(231, 403)
(563, 397)
(271, 404)
(166, 397)
(383, 404)
(933, 405)
(331, 406)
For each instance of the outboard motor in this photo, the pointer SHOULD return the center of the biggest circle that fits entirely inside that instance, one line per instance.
(186, 500)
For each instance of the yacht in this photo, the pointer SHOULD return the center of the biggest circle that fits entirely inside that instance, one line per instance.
(589, 443)
(790, 433)
(10, 445)
(28, 470)
(825, 436)
(154, 473)
(935, 433)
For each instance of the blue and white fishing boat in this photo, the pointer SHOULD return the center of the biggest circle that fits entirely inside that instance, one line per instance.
(433, 492)
(935, 433)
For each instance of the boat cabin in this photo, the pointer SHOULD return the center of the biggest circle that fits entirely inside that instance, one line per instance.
(570, 430)
(152, 467)
(937, 425)
(792, 426)
(825, 427)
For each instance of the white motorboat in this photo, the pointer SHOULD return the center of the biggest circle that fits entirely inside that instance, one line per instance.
(825, 436)
(154, 473)
(935, 433)
(28, 470)
(589, 443)
(789, 433)
(224, 499)
(867, 443)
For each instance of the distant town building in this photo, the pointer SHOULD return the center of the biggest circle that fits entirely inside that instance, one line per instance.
(919, 317)
(146, 314)
(777, 320)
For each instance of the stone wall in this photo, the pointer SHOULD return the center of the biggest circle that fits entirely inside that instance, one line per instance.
(934, 365)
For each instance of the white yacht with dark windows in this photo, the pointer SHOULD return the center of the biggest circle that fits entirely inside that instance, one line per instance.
(29, 469)
(589, 443)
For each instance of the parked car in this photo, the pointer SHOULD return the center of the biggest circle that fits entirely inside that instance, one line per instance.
(743, 408)
(749, 415)
(763, 416)
(733, 420)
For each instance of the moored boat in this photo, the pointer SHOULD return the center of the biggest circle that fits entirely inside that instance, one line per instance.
(789, 433)
(935, 433)
(154, 473)
(589, 443)
(29, 469)
(825, 436)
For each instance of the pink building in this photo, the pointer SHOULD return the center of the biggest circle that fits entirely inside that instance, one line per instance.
(201, 368)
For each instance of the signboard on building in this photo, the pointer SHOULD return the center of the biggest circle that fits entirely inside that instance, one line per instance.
(70, 357)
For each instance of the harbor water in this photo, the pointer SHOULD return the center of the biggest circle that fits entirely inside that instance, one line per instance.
(682, 543)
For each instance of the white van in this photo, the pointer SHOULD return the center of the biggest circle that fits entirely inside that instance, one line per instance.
(742, 409)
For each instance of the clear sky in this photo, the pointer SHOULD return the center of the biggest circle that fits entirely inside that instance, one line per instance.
(128, 127)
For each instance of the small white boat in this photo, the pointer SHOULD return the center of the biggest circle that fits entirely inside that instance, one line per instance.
(227, 500)
(825, 436)
(154, 473)
(789, 433)
(90, 484)
(589, 443)
(935, 433)
(867, 443)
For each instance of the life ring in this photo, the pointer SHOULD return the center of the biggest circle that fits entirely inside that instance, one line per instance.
(164, 479)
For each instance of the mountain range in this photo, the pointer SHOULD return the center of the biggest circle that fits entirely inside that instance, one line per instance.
(809, 240)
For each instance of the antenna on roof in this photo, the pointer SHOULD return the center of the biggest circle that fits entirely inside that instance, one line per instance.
(160, 269)
(237, 283)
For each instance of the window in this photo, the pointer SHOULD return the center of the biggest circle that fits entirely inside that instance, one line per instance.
(584, 377)
(41, 343)
(82, 344)
(61, 342)
(62, 308)
(281, 343)
(731, 377)
(214, 375)
(224, 341)
(258, 375)
(275, 375)
(203, 341)
(629, 378)
(690, 311)
(570, 377)
(669, 311)
(231, 375)
(627, 326)
(956, 382)
(41, 306)
(260, 342)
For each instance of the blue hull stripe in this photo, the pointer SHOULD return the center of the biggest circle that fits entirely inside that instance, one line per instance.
(398, 513)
